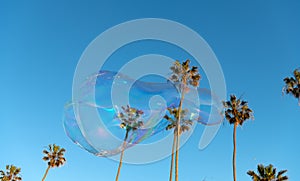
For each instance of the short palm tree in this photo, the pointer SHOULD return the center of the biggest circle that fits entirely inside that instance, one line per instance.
(236, 112)
(54, 155)
(12, 173)
(184, 126)
(292, 85)
(130, 121)
(267, 173)
(183, 76)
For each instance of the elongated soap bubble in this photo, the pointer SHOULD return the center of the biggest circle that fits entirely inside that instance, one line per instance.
(104, 136)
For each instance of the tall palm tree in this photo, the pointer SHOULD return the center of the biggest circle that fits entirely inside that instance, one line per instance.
(12, 173)
(292, 85)
(130, 121)
(183, 76)
(54, 155)
(236, 112)
(267, 173)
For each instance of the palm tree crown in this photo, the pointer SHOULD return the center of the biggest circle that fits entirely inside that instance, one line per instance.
(54, 155)
(267, 173)
(11, 174)
(292, 85)
(130, 118)
(183, 74)
(237, 111)
(184, 123)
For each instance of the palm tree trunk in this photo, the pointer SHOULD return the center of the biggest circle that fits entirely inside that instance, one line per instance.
(46, 173)
(172, 159)
(177, 157)
(234, 152)
(121, 157)
(178, 131)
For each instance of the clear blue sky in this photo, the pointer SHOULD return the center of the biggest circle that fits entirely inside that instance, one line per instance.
(257, 44)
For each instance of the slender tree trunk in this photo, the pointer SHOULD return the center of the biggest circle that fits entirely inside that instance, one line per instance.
(46, 173)
(234, 152)
(178, 131)
(121, 157)
(177, 157)
(172, 159)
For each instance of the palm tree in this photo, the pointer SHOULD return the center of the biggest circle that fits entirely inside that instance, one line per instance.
(11, 174)
(267, 173)
(130, 121)
(292, 85)
(236, 112)
(55, 157)
(184, 126)
(183, 76)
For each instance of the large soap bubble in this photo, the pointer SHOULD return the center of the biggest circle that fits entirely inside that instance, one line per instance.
(104, 136)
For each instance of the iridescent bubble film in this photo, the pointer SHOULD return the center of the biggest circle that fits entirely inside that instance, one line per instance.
(104, 136)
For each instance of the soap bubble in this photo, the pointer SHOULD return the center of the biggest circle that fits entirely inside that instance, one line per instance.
(104, 136)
